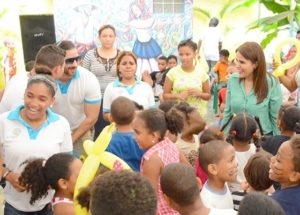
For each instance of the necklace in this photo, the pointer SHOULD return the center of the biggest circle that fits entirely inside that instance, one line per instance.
(107, 62)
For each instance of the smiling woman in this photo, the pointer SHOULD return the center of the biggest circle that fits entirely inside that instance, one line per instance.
(253, 90)
(31, 130)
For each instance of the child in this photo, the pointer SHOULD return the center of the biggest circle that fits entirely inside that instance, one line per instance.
(193, 124)
(150, 127)
(122, 142)
(285, 169)
(288, 123)
(181, 189)
(258, 203)
(165, 106)
(221, 68)
(217, 159)
(172, 61)
(122, 192)
(157, 77)
(223, 90)
(241, 133)
(60, 173)
(210, 133)
(256, 173)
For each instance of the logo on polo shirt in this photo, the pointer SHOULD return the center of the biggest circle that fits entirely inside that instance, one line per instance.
(16, 132)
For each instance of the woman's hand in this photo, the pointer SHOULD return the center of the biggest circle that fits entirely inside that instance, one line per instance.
(13, 179)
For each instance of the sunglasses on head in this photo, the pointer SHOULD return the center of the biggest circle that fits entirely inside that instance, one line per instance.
(71, 60)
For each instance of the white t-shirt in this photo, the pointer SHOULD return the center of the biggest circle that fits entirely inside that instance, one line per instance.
(210, 43)
(82, 89)
(212, 199)
(242, 159)
(214, 211)
(20, 142)
(13, 95)
(140, 92)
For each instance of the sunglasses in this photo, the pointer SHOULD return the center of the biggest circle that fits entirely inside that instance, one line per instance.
(71, 60)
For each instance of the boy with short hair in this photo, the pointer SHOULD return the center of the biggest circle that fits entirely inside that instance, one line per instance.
(217, 159)
(122, 142)
(181, 189)
(159, 77)
(221, 68)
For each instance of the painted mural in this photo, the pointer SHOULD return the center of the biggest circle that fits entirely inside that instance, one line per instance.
(134, 21)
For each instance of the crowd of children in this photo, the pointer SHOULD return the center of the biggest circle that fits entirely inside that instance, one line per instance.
(181, 162)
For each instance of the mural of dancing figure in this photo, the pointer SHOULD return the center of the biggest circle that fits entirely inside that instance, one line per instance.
(145, 47)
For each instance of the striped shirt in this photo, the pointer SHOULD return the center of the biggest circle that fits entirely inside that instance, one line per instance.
(103, 68)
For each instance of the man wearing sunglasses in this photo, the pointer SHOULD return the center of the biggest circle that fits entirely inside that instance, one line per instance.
(78, 98)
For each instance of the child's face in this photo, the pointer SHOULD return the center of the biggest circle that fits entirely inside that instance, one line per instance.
(282, 168)
(75, 170)
(162, 65)
(230, 70)
(223, 59)
(227, 166)
(172, 63)
(142, 135)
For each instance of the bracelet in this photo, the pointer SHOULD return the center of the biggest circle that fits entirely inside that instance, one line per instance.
(5, 174)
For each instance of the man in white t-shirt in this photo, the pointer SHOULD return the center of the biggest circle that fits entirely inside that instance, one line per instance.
(49, 56)
(181, 188)
(78, 97)
(211, 41)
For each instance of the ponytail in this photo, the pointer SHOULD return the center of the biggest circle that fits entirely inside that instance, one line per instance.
(174, 120)
(33, 179)
(39, 175)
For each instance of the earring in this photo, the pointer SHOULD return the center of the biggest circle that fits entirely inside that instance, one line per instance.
(153, 141)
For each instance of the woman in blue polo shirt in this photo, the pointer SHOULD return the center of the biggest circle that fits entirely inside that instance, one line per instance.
(127, 85)
(30, 131)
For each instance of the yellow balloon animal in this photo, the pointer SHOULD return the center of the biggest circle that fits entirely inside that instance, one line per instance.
(279, 71)
(96, 156)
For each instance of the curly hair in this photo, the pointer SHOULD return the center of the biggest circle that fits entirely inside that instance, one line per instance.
(157, 120)
(38, 175)
(122, 192)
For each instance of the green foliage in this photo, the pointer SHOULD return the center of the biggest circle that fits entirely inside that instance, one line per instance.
(283, 16)
(230, 7)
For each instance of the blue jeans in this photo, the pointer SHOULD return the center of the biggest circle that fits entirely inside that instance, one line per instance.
(10, 210)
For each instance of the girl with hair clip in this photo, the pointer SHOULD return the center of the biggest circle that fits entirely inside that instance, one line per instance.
(29, 131)
(288, 123)
(150, 128)
(241, 134)
(59, 172)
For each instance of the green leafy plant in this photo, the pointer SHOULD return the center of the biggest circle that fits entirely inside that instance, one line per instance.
(286, 17)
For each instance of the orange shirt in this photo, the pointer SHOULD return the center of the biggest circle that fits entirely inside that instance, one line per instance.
(221, 69)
